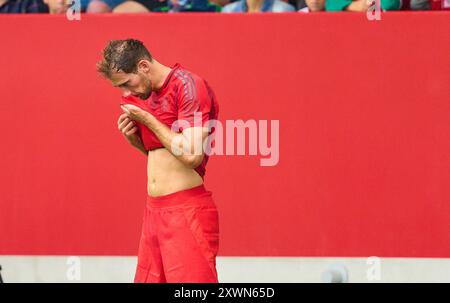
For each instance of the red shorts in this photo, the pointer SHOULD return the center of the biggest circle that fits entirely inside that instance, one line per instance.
(180, 238)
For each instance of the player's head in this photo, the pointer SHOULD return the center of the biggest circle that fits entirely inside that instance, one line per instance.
(127, 64)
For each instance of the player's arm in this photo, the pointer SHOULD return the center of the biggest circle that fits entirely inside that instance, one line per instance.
(186, 146)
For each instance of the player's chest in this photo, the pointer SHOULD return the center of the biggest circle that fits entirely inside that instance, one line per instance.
(164, 108)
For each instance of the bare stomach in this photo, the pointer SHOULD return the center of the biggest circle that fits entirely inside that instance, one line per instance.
(166, 174)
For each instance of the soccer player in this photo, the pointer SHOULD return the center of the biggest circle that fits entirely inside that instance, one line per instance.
(180, 232)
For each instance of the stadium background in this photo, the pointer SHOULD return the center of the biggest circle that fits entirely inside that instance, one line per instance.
(364, 164)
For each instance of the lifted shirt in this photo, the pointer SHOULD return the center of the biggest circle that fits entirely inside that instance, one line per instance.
(184, 96)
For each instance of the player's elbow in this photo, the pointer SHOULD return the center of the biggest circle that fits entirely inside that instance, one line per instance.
(193, 161)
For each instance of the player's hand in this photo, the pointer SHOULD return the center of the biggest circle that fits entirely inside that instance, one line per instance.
(135, 113)
(129, 129)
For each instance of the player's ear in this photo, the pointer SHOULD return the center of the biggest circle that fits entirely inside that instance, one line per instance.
(144, 66)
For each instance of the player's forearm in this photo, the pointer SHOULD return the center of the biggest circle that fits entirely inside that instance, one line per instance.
(174, 142)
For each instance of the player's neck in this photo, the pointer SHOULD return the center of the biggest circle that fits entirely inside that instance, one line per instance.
(159, 74)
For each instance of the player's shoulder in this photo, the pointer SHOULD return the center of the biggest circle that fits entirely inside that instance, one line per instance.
(188, 84)
(184, 76)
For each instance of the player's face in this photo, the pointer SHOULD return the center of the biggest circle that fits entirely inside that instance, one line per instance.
(138, 85)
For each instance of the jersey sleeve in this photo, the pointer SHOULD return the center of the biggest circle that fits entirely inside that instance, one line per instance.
(194, 103)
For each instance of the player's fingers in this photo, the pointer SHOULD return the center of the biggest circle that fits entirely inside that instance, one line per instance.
(124, 123)
(127, 127)
(122, 117)
(125, 109)
(132, 131)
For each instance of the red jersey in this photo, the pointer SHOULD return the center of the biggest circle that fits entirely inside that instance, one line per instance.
(181, 96)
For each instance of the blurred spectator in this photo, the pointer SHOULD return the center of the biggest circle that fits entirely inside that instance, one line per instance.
(300, 4)
(255, 6)
(141, 6)
(22, 6)
(221, 3)
(313, 6)
(440, 4)
(99, 6)
(360, 5)
(193, 6)
(419, 4)
(58, 6)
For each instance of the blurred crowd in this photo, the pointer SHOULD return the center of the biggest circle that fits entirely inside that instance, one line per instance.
(224, 6)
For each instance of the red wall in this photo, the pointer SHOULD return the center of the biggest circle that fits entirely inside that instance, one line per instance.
(364, 133)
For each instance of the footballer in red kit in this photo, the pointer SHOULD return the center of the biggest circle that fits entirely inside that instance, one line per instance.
(168, 114)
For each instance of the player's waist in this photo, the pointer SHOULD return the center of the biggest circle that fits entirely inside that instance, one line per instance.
(193, 196)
